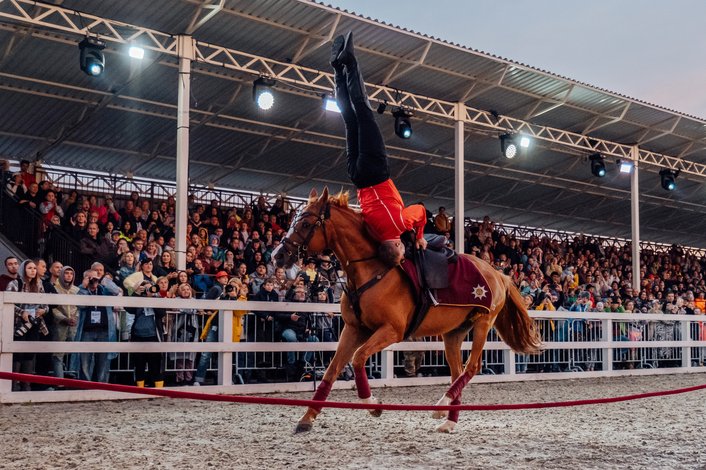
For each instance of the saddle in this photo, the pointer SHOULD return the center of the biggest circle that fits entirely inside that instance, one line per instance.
(432, 263)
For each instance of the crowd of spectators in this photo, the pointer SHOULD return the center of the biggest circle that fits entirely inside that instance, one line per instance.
(131, 244)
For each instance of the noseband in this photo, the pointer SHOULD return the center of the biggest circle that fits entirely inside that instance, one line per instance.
(302, 245)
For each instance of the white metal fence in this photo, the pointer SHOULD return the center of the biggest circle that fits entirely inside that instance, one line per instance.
(576, 345)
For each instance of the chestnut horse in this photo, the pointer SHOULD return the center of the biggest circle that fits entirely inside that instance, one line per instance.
(386, 308)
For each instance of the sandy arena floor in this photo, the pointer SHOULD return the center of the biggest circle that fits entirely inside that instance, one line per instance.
(664, 432)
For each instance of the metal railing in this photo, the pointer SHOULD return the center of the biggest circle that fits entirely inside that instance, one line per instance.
(576, 345)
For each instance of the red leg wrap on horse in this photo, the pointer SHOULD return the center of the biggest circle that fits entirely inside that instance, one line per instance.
(321, 393)
(457, 387)
(453, 414)
(361, 383)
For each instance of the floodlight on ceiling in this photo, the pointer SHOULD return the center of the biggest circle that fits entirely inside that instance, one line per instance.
(625, 167)
(330, 104)
(403, 126)
(668, 178)
(91, 58)
(262, 93)
(136, 52)
(597, 165)
(508, 147)
(525, 141)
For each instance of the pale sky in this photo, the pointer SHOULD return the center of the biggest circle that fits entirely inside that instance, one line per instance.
(652, 50)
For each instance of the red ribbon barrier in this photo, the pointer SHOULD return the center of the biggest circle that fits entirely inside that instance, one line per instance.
(161, 392)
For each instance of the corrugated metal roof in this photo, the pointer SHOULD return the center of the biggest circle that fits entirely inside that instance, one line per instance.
(129, 116)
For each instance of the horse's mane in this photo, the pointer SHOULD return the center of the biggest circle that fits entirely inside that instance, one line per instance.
(340, 200)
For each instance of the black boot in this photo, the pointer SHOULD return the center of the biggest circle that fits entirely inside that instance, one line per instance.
(336, 49)
(356, 85)
(346, 56)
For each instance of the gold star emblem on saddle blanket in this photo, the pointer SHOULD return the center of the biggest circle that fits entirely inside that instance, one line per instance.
(479, 292)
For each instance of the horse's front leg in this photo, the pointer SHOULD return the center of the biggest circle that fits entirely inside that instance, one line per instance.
(379, 340)
(350, 339)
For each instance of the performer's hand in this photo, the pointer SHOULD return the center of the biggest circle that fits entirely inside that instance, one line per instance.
(421, 244)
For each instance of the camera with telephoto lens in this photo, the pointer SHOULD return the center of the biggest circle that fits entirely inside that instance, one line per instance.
(26, 326)
(153, 289)
(230, 288)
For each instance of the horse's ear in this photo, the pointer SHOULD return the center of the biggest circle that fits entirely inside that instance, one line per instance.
(313, 194)
(324, 195)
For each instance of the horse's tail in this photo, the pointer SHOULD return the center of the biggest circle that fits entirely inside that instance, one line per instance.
(514, 325)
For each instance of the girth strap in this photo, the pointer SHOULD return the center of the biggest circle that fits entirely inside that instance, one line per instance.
(355, 294)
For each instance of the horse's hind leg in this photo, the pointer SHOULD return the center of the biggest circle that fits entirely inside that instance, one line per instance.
(481, 326)
(351, 339)
(379, 340)
(452, 349)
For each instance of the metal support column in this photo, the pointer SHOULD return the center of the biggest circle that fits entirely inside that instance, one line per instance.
(635, 218)
(459, 180)
(185, 51)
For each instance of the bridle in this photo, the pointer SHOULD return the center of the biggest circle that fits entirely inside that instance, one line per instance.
(303, 245)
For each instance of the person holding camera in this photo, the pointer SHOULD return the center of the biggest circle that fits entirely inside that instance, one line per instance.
(145, 273)
(296, 327)
(148, 328)
(29, 320)
(95, 323)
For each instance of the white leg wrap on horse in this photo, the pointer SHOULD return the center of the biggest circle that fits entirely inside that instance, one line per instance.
(439, 414)
(370, 400)
(447, 427)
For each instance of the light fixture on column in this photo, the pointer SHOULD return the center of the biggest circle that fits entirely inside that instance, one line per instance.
(597, 165)
(403, 126)
(625, 167)
(91, 59)
(262, 93)
(668, 178)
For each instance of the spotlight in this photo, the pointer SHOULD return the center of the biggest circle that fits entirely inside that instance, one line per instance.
(382, 107)
(92, 60)
(403, 126)
(262, 93)
(668, 178)
(524, 142)
(626, 167)
(597, 165)
(508, 146)
(136, 52)
(330, 104)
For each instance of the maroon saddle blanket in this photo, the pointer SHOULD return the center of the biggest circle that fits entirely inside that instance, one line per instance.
(467, 286)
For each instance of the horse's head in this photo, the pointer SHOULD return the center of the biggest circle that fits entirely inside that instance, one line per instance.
(307, 233)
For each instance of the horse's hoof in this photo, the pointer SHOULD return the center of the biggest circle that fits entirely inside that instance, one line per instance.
(440, 414)
(372, 400)
(303, 427)
(447, 427)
